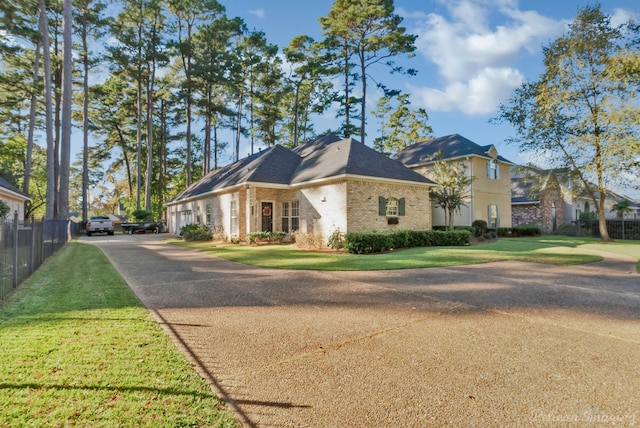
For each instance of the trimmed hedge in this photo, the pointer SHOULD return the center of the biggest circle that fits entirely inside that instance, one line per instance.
(254, 237)
(377, 242)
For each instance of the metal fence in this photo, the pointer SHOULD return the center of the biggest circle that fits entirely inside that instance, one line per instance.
(618, 229)
(24, 246)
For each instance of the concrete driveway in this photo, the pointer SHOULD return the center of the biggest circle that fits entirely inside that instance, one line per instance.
(499, 344)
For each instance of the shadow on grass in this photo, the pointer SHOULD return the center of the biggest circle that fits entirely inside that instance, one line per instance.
(161, 391)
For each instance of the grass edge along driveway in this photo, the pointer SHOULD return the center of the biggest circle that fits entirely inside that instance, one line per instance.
(78, 348)
(557, 250)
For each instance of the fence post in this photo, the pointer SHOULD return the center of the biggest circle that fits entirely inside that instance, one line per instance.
(33, 247)
(15, 250)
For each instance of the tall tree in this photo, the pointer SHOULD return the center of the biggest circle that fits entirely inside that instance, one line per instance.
(401, 126)
(372, 32)
(90, 26)
(51, 160)
(189, 15)
(308, 68)
(67, 101)
(581, 113)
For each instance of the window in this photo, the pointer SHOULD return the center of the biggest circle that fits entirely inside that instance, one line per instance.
(186, 217)
(493, 170)
(234, 217)
(285, 217)
(392, 207)
(295, 215)
(209, 214)
(494, 216)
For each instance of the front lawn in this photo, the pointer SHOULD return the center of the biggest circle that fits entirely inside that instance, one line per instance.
(78, 349)
(535, 250)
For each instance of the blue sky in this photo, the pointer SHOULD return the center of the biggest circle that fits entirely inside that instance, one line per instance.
(470, 56)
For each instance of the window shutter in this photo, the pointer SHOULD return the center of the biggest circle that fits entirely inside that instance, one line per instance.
(382, 205)
(401, 206)
(489, 169)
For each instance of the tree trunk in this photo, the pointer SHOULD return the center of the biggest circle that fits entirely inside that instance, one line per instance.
(239, 127)
(67, 100)
(363, 102)
(85, 120)
(51, 181)
(32, 123)
(147, 186)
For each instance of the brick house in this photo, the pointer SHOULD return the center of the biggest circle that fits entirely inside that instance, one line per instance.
(490, 193)
(326, 184)
(13, 197)
(537, 198)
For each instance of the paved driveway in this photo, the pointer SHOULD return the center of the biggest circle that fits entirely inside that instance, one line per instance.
(499, 344)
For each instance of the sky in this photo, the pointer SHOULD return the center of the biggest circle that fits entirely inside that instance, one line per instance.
(471, 54)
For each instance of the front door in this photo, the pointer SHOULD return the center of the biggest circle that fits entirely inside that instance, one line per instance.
(267, 216)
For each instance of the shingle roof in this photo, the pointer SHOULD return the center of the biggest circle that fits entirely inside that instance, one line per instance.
(330, 156)
(322, 158)
(521, 191)
(452, 146)
(13, 189)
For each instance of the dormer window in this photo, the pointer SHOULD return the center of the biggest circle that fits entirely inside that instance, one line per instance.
(493, 169)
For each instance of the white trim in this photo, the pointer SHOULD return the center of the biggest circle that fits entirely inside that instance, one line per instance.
(13, 194)
(415, 165)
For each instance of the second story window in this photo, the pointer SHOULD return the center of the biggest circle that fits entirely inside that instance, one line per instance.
(493, 170)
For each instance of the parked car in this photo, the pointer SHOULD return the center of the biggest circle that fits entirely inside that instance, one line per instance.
(100, 224)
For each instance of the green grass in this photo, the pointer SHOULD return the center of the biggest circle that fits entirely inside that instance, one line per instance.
(77, 348)
(557, 252)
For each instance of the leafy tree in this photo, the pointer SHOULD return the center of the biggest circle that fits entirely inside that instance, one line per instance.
(582, 114)
(402, 126)
(307, 69)
(621, 208)
(453, 187)
(370, 31)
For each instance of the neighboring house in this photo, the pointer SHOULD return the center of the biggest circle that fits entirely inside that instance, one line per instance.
(324, 185)
(490, 194)
(13, 197)
(536, 199)
(548, 199)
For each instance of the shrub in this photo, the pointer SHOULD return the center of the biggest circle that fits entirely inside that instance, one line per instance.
(480, 226)
(527, 231)
(195, 232)
(367, 242)
(376, 242)
(269, 237)
(309, 241)
(4, 210)
(335, 240)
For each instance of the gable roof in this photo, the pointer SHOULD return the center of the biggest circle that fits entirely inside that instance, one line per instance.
(12, 190)
(452, 147)
(320, 159)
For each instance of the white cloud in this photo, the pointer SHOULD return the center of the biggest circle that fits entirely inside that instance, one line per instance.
(476, 60)
(260, 13)
(476, 96)
(622, 16)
